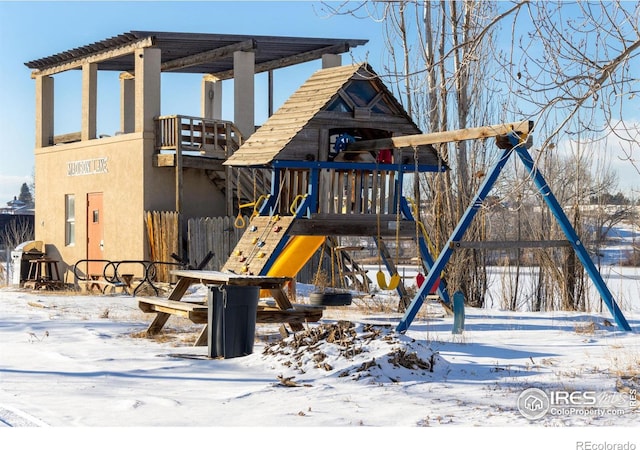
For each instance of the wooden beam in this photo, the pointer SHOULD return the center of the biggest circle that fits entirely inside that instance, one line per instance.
(188, 161)
(352, 225)
(210, 55)
(284, 304)
(94, 58)
(289, 60)
(440, 137)
(507, 245)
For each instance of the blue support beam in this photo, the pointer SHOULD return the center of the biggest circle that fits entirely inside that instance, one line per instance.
(268, 207)
(573, 238)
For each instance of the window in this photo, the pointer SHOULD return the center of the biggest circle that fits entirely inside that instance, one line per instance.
(70, 219)
(362, 95)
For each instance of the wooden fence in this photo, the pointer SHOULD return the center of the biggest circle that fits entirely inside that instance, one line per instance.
(212, 234)
(207, 234)
(162, 232)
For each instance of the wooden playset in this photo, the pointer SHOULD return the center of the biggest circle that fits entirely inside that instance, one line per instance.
(321, 187)
(340, 149)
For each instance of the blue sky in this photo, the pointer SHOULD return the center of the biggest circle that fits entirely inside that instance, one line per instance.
(31, 30)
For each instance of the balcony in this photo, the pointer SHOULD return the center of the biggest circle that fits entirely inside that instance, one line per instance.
(197, 142)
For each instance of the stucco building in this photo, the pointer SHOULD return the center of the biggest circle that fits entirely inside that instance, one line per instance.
(94, 191)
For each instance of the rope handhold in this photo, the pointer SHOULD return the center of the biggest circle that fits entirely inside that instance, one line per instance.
(239, 222)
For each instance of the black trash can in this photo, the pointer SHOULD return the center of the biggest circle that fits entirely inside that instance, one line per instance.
(232, 320)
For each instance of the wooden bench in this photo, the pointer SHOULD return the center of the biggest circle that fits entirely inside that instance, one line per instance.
(197, 312)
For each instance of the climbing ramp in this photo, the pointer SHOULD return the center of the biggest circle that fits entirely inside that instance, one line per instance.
(266, 248)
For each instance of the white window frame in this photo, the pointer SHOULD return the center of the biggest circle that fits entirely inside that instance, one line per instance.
(70, 220)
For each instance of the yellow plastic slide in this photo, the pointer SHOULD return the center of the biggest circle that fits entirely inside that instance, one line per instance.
(295, 255)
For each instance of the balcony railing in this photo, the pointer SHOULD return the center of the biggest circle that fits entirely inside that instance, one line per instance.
(197, 136)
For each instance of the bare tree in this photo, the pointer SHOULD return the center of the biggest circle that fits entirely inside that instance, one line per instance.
(436, 55)
(575, 65)
(16, 232)
(567, 65)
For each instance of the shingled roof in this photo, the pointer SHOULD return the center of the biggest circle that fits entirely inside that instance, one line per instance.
(295, 125)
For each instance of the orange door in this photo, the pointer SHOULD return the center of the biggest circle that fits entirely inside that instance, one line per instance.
(95, 233)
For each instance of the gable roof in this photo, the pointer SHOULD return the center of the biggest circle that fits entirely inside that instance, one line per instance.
(273, 136)
(286, 128)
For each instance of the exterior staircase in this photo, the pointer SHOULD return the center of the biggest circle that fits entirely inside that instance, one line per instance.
(205, 144)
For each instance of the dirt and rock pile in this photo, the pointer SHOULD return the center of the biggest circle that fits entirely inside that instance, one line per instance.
(355, 350)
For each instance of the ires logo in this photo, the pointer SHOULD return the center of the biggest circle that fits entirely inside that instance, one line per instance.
(534, 403)
(575, 398)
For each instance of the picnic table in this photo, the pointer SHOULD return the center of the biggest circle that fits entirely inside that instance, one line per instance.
(198, 312)
(43, 273)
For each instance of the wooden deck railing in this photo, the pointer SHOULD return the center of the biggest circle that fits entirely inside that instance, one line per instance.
(357, 192)
(340, 191)
(197, 135)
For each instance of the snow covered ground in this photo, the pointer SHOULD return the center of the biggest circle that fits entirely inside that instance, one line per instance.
(70, 363)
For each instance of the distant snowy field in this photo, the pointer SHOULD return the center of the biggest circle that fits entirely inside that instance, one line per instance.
(80, 361)
(70, 363)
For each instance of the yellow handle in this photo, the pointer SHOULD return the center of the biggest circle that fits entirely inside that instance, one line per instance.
(246, 205)
(294, 205)
(258, 204)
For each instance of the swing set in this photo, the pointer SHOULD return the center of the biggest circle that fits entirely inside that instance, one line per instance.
(513, 139)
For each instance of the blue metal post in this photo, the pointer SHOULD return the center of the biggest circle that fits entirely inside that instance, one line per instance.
(310, 204)
(573, 238)
(457, 234)
(269, 205)
(425, 255)
(458, 313)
